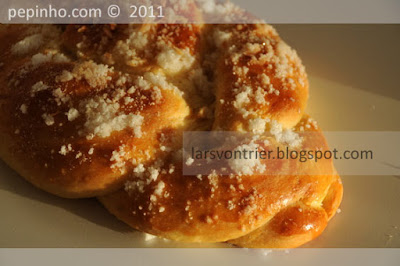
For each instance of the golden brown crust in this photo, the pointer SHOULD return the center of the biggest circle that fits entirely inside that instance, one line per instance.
(295, 225)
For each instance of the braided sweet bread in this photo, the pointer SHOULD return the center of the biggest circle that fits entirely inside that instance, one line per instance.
(99, 111)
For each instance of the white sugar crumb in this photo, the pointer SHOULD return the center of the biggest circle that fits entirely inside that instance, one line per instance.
(260, 96)
(253, 48)
(91, 150)
(38, 86)
(139, 169)
(247, 166)
(160, 188)
(23, 108)
(250, 203)
(242, 98)
(154, 172)
(189, 161)
(132, 90)
(265, 79)
(96, 75)
(72, 114)
(52, 56)
(156, 95)
(117, 158)
(48, 119)
(220, 37)
(103, 117)
(284, 53)
(60, 97)
(173, 61)
(171, 169)
(312, 122)
(231, 205)
(28, 44)
(161, 209)
(286, 136)
(159, 79)
(257, 125)
(338, 210)
(153, 198)
(65, 76)
(65, 149)
(131, 48)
